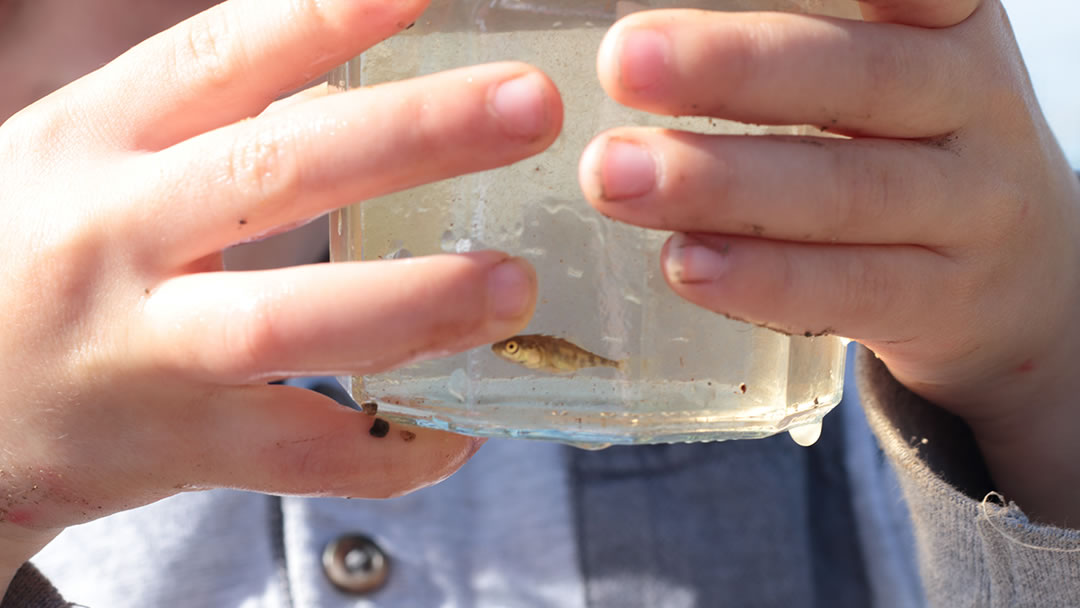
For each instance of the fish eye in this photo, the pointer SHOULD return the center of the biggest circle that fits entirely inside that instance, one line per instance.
(511, 347)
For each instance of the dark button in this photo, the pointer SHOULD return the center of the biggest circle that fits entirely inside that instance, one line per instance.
(355, 564)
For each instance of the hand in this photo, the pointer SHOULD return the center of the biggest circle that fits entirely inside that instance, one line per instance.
(133, 366)
(943, 233)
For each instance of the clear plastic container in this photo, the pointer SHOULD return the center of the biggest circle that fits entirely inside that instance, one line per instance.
(689, 374)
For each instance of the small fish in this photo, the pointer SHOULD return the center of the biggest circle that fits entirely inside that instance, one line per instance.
(550, 354)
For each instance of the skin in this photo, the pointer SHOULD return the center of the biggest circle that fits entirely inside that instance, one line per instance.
(943, 235)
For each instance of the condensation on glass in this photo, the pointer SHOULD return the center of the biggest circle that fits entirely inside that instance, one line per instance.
(689, 374)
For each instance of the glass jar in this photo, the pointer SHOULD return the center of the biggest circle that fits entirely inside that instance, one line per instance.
(684, 374)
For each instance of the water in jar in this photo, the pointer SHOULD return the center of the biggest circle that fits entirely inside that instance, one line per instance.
(689, 374)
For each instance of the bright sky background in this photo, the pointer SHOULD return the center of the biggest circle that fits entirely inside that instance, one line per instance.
(1047, 32)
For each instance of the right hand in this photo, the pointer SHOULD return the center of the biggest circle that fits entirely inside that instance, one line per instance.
(133, 367)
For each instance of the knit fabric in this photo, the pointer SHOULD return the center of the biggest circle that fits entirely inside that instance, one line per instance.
(975, 549)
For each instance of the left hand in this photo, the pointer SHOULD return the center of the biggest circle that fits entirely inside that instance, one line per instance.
(943, 232)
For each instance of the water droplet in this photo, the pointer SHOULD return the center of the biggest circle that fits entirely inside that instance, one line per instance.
(536, 252)
(463, 245)
(447, 241)
(457, 384)
(633, 299)
(585, 445)
(807, 434)
(574, 272)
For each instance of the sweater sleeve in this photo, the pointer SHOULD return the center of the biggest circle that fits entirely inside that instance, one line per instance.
(974, 547)
(30, 589)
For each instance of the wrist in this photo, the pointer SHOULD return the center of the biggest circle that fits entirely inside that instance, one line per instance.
(1028, 457)
(1034, 460)
(1027, 432)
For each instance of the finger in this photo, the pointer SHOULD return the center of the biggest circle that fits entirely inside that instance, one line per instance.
(869, 293)
(786, 188)
(239, 182)
(232, 60)
(287, 440)
(268, 438)
(332, 319)
(925, 13)
(851, 77)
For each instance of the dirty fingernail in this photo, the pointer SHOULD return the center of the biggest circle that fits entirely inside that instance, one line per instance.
(510, 289)
(629, 170)
(689, 260)
(519, 105)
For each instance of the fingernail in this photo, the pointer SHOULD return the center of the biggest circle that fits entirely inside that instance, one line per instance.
(628, 170)
(644, 59)
(519, 104)
(510, 289)
(689, 260)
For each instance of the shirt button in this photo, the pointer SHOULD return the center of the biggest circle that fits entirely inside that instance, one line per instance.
(355, 564)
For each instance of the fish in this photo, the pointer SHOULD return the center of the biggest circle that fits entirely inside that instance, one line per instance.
(551, 354)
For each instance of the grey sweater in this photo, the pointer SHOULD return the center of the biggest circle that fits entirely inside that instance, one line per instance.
(972, 549)
(676, 512)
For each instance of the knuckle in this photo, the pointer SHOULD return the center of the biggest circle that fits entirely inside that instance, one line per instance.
(313, 14)
(207, 49)
(321, 28)
(787, 276)
(37, 131)
(741, 48)
(65, 266)
(1007, 211)
(722, 201)
(966, 283)
(250, 340)
(862, 195)
(864, 290)
(311, 463)
(888, 73)
(263, 167)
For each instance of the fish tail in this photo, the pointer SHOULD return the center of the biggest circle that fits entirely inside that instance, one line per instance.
(621, 365)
